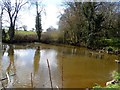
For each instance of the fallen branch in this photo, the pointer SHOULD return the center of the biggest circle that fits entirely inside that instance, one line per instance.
(49, 73)
(6, 77)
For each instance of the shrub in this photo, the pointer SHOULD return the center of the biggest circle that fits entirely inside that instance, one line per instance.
(110, 49)
(50, 37)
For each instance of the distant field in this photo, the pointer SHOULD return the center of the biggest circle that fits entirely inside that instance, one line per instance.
(30, 36)
(25, 36)
(25, 32)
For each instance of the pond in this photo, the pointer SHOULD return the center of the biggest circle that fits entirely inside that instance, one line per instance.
(70, 67)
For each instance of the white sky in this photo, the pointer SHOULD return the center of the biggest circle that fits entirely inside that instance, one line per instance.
(52, 8)
(27, 17)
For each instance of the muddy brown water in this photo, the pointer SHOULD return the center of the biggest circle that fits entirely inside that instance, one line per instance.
(71, 67)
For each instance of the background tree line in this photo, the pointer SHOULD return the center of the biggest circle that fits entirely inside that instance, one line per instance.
(91, 24)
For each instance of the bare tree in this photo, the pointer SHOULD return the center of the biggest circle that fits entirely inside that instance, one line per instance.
(13, 10)
(24, 27)
(1, 13)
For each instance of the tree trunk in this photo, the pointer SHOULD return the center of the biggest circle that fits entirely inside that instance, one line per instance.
(39, 35)
(11, 32)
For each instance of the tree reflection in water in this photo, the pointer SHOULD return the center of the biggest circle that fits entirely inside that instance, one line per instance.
(80, 70)
(0, 64)
(36, 60)
(11, 69)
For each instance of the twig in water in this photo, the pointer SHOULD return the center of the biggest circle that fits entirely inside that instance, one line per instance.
(49, 73)
(31, 81)
(62, 72)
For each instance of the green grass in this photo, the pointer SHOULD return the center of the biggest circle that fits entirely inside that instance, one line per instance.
(25, 36)
(115, 76)
(50, 36)
(25, 32)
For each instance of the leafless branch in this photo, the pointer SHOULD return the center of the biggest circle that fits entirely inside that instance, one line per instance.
(13, 10)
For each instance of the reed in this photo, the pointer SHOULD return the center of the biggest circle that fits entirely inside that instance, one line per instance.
(62, 70)
(49, 74)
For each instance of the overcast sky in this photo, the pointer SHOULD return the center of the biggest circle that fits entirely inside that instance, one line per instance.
(52, 9)
(27, 16)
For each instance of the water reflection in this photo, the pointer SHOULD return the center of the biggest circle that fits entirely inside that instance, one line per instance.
(80, 69)
(24, 66)
(36, 60)
(10, 67)
(0, 63)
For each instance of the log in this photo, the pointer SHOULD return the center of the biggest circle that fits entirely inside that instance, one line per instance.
(110, 82)
(117, 61)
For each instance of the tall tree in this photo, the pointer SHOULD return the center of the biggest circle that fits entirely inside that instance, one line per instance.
(38, 24)
(72, 22)
(94, 19)
(13, 10)
(89, 23)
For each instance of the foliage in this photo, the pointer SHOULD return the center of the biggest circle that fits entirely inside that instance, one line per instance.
(3, 34)
(25, 36)
(25, 32)
(50, 37)
(12, 11)
(92, 24)
(114, 86)
(116, 77)
(110, 49)
(96, 86)
(22, 36)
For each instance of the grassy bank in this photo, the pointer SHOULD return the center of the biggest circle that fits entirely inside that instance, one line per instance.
(111, 45)
(22, 37)
(31, 36)
(115, 83)
(25, 36)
